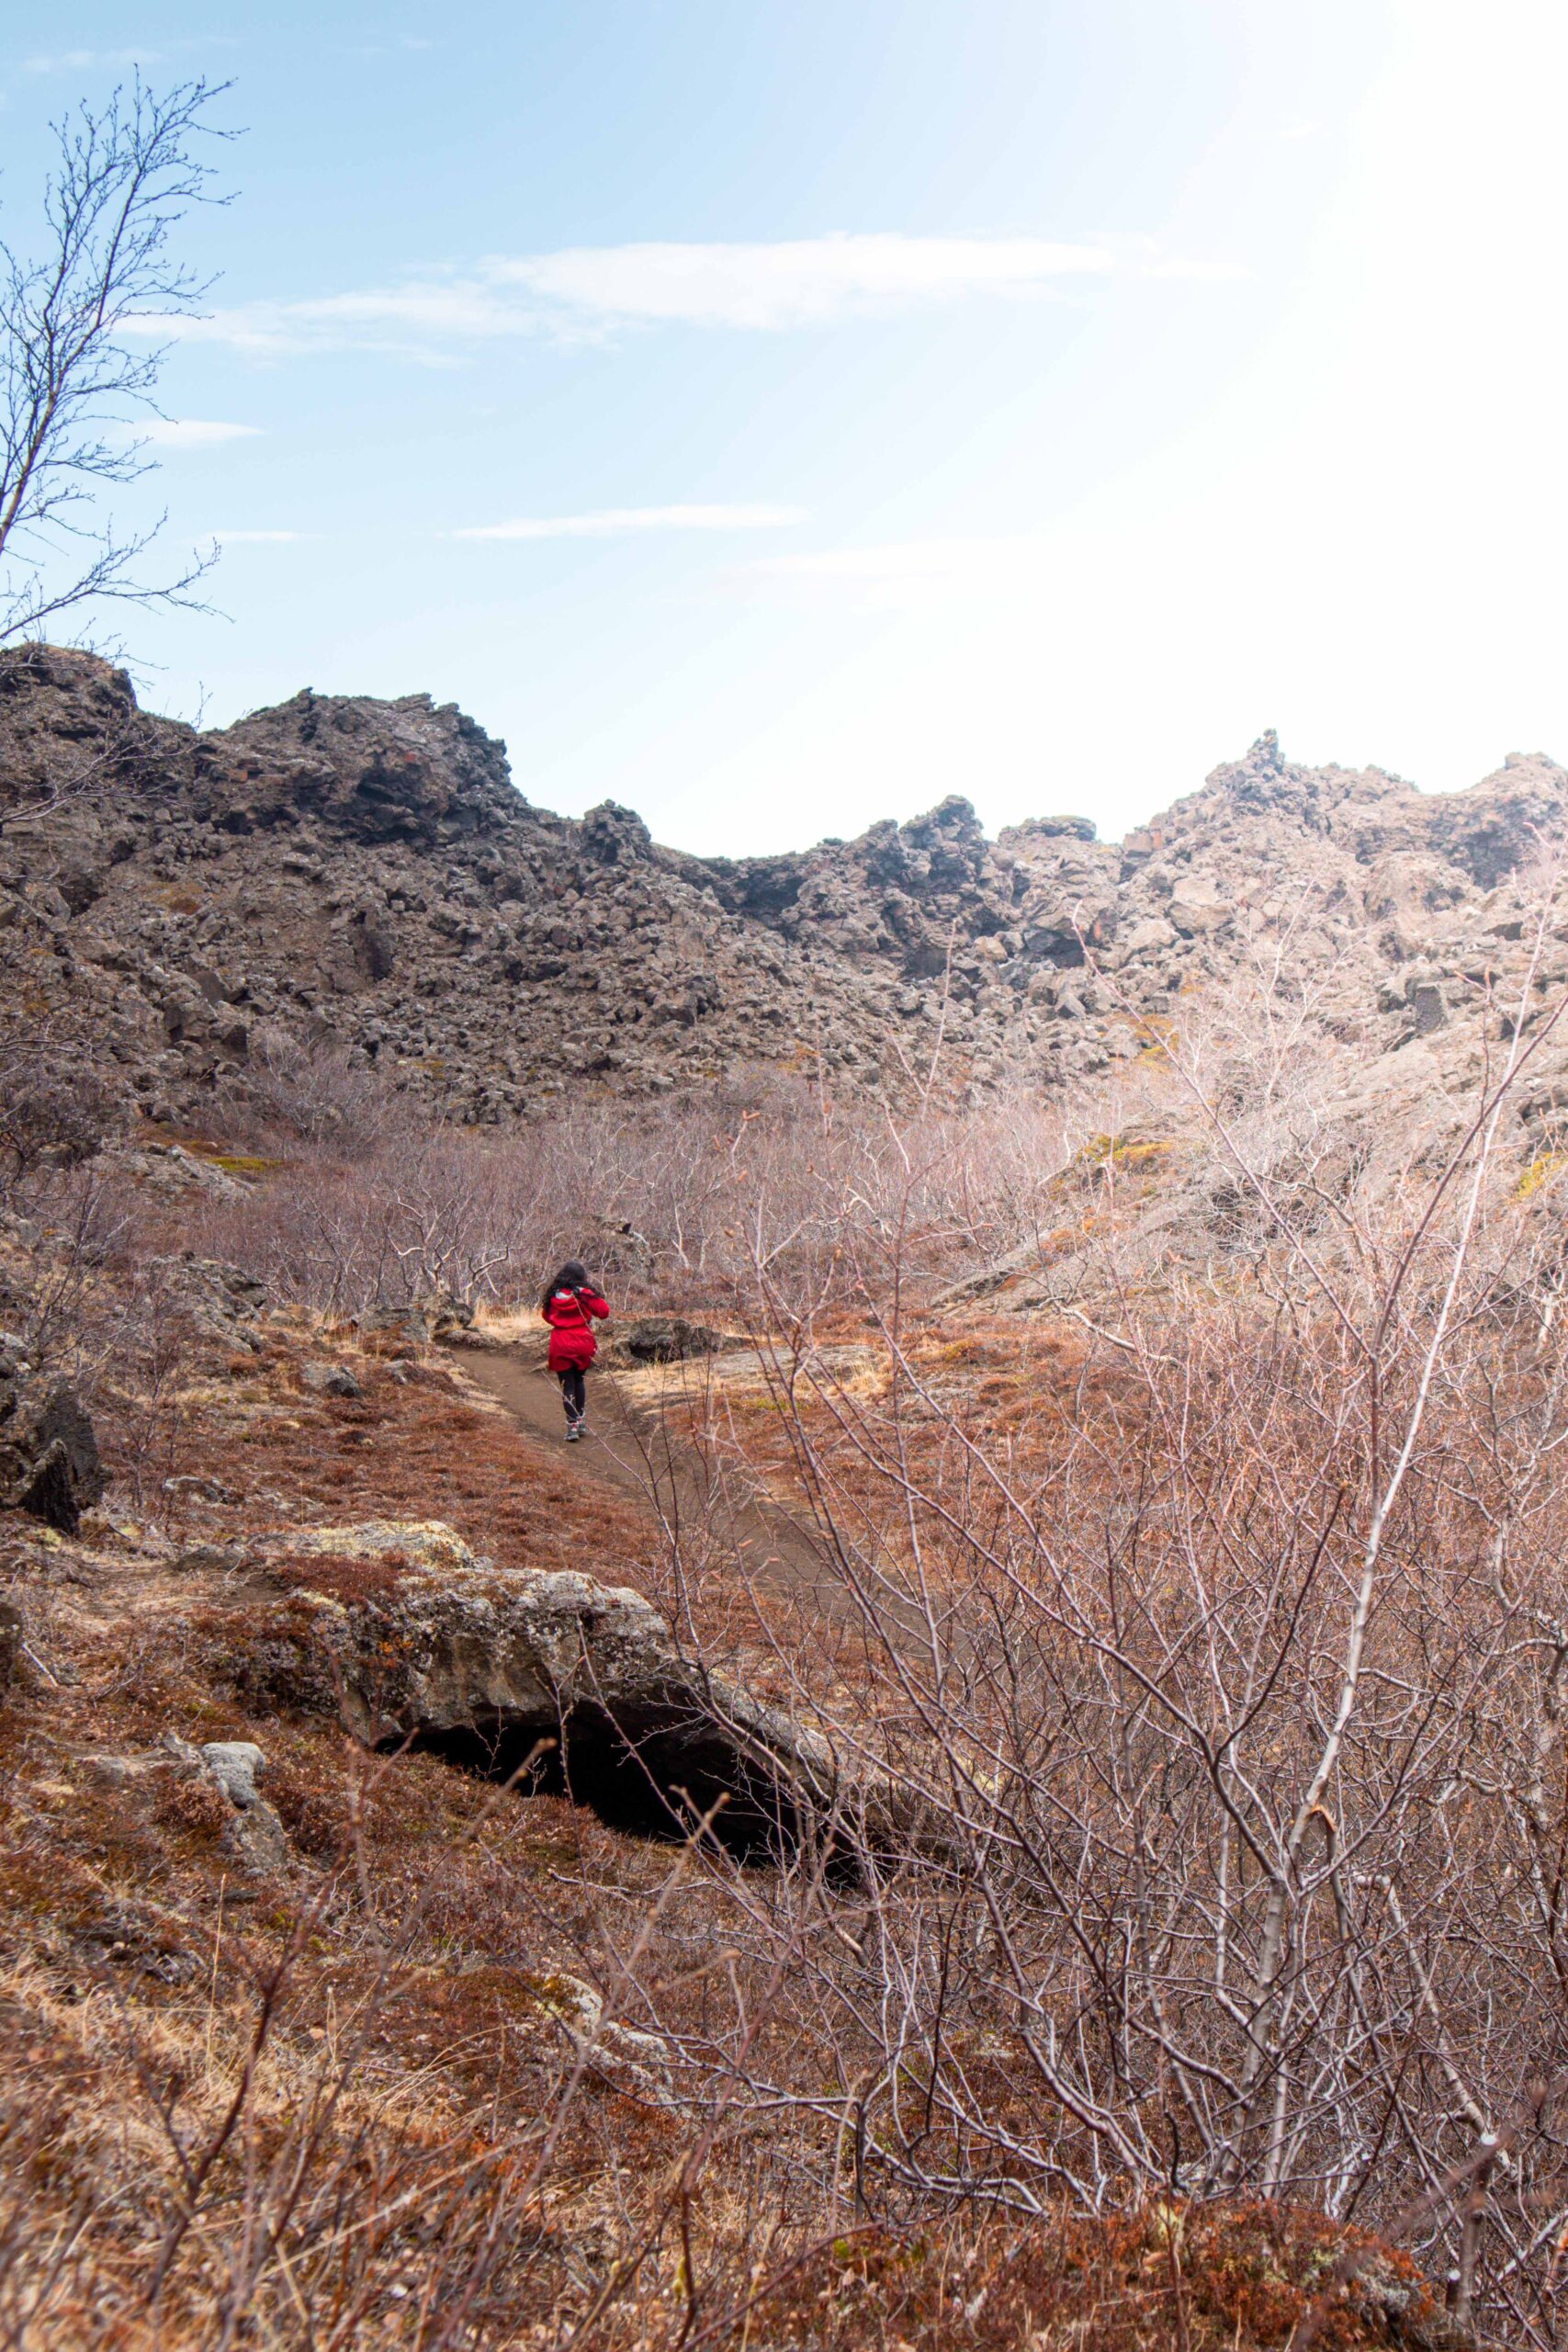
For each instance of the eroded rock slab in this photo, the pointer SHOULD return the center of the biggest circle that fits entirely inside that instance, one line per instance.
(397, 1627)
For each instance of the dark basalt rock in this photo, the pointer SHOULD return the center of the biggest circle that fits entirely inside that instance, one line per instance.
(49, 1464)
(343, 896)
(666, 1339)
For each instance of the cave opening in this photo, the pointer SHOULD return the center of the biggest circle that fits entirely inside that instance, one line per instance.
(656, 1779)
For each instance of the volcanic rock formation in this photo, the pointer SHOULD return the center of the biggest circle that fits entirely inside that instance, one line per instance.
(358, 882)
(557, 1679)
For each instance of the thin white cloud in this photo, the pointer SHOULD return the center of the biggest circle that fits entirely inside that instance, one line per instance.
(805, 282)
(87, 60)
(612, 520)
(424, 321)
(588, 289)
(191, 432)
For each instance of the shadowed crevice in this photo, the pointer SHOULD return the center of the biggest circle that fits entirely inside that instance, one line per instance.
(656, 1780)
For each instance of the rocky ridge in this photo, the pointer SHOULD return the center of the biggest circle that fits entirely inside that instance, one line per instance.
(358, 884)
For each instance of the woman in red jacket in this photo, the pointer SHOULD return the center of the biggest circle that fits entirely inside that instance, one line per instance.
(571, 1305)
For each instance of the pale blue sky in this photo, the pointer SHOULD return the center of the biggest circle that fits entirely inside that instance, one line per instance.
(775, 416)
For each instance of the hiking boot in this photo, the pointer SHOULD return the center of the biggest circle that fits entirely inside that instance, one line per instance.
(573, 1432)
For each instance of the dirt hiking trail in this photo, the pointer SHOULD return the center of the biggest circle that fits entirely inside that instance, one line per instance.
(688, 1500)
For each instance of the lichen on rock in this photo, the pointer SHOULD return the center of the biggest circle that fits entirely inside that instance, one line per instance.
(555, 1678)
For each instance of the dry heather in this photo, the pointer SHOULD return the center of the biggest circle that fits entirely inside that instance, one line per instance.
(1166, 1500)
(448, 2075)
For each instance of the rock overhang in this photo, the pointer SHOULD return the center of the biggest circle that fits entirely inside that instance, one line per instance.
(554, 1678)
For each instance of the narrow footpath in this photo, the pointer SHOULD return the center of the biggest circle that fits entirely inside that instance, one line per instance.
(690, 1501)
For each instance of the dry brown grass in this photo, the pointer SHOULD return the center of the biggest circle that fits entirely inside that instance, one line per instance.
(477, 2070)
(340, 2105)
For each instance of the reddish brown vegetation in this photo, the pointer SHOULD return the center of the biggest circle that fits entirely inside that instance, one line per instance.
(1216, 1624)
(1205, 2279)
(407, 1988)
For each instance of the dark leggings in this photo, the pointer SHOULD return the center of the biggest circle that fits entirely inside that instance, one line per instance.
(574, 1394)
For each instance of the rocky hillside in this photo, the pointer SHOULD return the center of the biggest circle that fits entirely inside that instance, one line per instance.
(360, 883)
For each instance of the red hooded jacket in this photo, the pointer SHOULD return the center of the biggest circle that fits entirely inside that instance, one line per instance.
(570, 1314)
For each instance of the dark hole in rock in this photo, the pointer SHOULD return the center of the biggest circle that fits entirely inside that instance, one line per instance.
(1064, 951)
(1430, 1008)
(655, 1782)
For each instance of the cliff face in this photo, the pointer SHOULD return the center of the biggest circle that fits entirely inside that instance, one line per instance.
(363, 878)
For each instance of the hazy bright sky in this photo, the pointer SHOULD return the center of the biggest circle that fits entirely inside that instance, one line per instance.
(776, 415)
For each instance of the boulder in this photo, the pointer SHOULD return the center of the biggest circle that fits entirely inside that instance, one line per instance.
(1149, 937)
(207, 1559)
(49, 1464)
(1198, 905)
(449, 1317)
(330, 1380)
(397, 1627)
(233, 1764)
(199, 1489)
(169, 1169)
(389, 1330)
(665, 1338)
(222, 1302)
(255, 1834)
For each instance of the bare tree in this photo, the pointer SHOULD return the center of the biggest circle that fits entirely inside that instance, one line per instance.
(75, 367)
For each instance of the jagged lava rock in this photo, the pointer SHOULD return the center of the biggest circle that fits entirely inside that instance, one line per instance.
(49, 1464)
(361, 878)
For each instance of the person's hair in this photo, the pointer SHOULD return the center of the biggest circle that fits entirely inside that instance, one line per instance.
(574, 1275)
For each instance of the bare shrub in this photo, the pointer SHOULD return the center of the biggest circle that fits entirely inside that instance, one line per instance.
(666, 1200)
(56, 1108)
(74, 358)
(1227, 1664)
(421, 1216)
(319, 1094)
